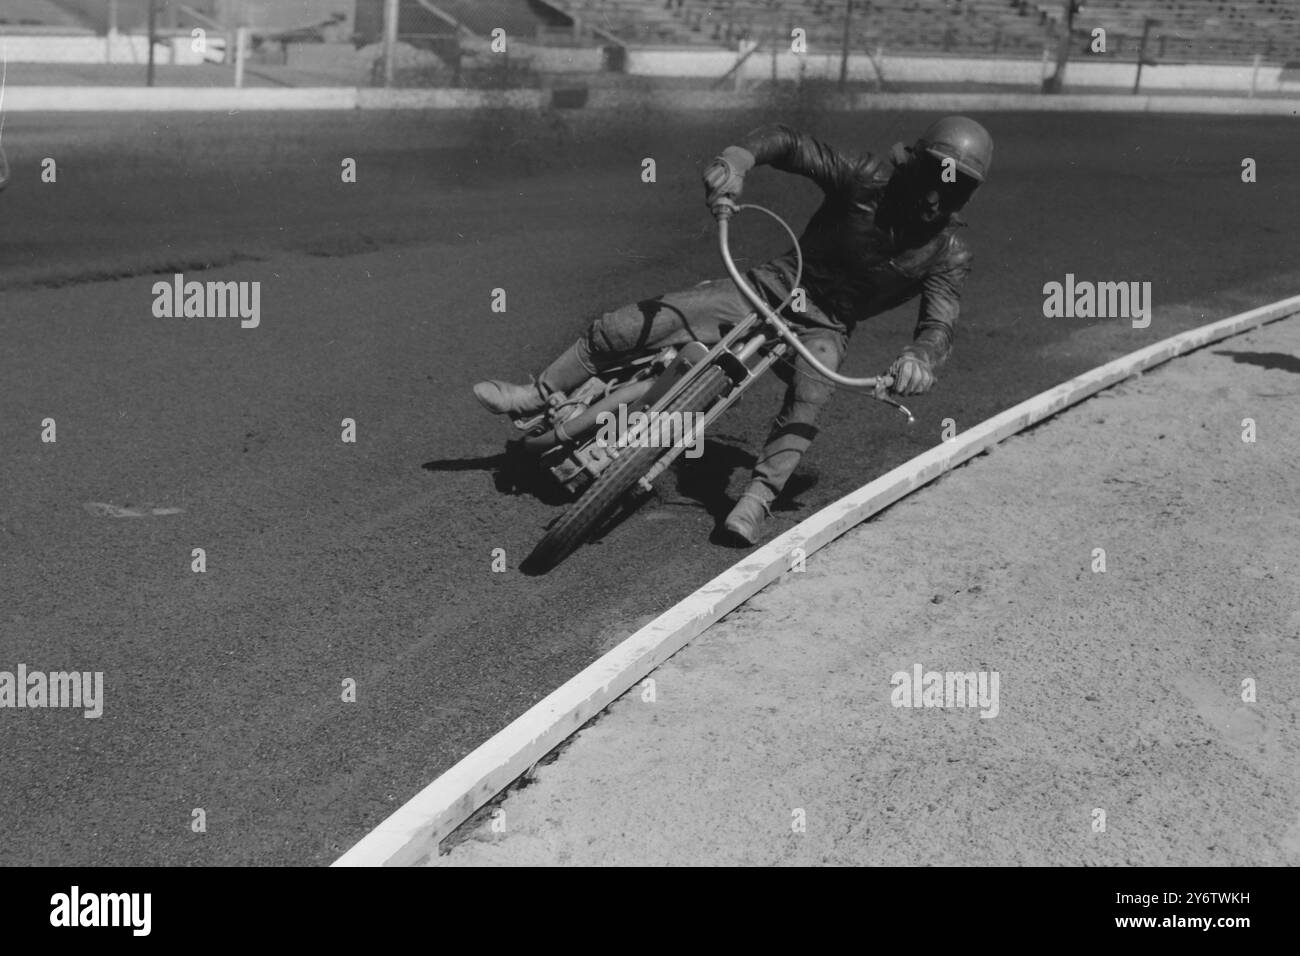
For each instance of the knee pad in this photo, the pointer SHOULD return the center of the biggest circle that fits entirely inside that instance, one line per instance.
(602, 335)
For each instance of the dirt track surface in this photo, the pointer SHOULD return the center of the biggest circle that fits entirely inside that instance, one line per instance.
(372, 562)
(1119, 691)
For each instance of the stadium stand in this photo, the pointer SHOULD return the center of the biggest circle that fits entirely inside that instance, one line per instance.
(1202, 31)
(36, 16)
(518, 19)
(1183, 31)
(1178, 31)
(132, 15)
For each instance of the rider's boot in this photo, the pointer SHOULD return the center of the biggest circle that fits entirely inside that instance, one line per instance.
(567, 372)
(746, 519)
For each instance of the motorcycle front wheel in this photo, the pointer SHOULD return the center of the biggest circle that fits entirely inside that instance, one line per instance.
(605, 492)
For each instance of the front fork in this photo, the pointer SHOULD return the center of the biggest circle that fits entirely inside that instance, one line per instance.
(742, 377)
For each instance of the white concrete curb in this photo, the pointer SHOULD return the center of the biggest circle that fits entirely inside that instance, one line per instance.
(94, 99)
(411, 834)
(178, 98)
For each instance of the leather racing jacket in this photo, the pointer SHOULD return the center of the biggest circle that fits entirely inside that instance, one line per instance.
(857, 264)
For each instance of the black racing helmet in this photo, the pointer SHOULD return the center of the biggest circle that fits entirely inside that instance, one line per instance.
(961, 139)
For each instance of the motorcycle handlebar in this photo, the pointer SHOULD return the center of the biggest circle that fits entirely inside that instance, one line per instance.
(723, 210)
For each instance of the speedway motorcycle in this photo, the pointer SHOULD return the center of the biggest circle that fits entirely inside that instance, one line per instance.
(593, 440)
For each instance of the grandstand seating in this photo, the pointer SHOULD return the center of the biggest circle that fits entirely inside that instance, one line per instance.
(1185, 30)
(36, 16)
(1203, 31)
(1193, 30)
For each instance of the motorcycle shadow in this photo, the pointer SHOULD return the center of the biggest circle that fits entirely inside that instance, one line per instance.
(699, 483)
(513, 473)
(702, 482)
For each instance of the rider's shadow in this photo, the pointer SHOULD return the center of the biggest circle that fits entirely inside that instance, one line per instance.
(707, 479)
(513, 473)
(704, 480)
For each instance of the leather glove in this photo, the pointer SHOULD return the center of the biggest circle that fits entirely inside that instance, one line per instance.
(725, 176)
(912, 374)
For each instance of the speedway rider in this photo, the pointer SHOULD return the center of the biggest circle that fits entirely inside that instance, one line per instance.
(886, 232)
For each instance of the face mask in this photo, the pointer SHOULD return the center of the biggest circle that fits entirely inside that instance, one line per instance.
(931, 197)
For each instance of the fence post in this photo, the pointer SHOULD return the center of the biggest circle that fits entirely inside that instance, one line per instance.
(1142, 53)
(112, 31)
(1056, 82)
(153, 17)
(390, 39)
(1254, 74)
(241, 41)
(844, 48)
(772, 42)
